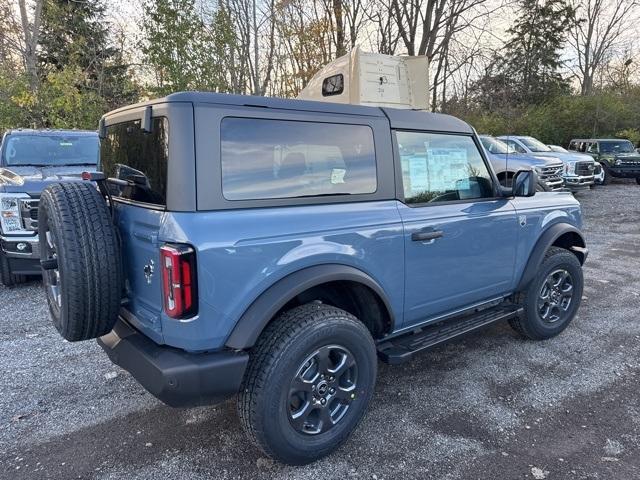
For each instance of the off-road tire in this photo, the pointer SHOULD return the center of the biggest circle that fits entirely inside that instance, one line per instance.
(529, 323)
(86, 244)
(287, 341)
(7, 278)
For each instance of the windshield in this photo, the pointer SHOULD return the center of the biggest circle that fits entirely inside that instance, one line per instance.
(622, 146)
(51, 150)
(495, 146)
(558, 148)
(534, 145)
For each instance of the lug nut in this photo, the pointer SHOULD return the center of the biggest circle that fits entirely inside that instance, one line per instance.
(323, 401)
(332, 390)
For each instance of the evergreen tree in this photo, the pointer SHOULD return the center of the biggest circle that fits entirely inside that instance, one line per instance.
(528, 70)
(75, 36)
(532, 55)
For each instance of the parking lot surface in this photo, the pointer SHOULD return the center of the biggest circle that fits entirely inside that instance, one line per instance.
(490, 406)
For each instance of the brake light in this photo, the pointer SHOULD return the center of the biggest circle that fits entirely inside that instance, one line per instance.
(179, 281)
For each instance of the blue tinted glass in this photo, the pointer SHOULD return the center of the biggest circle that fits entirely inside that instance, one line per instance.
(264, 158)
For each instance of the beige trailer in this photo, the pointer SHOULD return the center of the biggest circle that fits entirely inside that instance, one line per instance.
(374, 79)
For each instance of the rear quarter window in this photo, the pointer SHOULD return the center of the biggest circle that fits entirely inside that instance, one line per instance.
(269, 159)
(138, 159)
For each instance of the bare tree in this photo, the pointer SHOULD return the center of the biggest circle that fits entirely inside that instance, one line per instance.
(427, 27)
(252, 62)
(30, 32)
(387, 35)
(603, 27)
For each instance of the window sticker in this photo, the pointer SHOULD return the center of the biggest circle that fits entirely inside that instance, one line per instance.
(448, 168)
(419, 174)
(337, 175)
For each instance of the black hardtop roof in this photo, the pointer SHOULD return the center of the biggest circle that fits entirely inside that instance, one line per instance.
(399, 118)
(49, 131)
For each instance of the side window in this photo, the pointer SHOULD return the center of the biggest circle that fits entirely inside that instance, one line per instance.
(267, 159)
(593, 148)
(517, 147)
(137, 158)
(440, 168)
(573, 145)
(333, 85)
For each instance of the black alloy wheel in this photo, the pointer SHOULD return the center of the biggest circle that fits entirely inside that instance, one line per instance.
(322, 389)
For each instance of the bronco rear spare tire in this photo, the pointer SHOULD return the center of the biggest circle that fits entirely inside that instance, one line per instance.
(80, 257)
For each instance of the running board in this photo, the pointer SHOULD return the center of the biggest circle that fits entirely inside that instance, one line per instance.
(402, 348)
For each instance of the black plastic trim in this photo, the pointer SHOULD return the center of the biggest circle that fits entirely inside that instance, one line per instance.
(263, 309)
(544, 242)
(25, 266)
(176, 377)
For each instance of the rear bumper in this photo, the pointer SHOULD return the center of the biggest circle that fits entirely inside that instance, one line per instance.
(176, 377)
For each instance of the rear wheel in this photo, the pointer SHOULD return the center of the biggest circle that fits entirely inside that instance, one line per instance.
(309, 381)
(8, 278)
(80, 255)
(552, 298)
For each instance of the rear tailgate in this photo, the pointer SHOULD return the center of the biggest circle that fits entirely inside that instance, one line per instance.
(148, 149)
(139, 228)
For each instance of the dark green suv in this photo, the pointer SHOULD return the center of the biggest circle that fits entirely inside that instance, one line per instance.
(618, 157)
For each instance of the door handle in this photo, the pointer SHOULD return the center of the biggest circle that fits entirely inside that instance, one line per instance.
(426, 236)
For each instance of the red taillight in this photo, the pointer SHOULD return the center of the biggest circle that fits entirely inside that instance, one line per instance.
(179, 283)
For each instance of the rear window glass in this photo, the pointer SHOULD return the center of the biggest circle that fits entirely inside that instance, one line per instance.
(138, 159)
(266, 159)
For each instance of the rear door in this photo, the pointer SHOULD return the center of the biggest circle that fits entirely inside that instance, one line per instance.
(460, 241)
(138, 158)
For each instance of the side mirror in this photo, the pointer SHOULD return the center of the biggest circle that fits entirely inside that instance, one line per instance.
(524, 183)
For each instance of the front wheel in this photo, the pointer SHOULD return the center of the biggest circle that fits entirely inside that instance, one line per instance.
(7, 277)
(599, 177)
(552, 298)
(309, 381)
(605, 176)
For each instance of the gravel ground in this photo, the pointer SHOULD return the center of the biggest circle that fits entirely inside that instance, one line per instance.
(491, 406)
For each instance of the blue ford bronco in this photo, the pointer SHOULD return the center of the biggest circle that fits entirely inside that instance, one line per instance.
(29, 161)
(274, 249)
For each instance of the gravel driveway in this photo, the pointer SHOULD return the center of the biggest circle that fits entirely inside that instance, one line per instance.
(491, 406)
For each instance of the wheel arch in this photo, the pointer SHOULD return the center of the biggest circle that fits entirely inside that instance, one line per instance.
(562, 235)
(304, 284)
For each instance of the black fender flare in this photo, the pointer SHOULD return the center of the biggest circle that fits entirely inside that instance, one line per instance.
(269, 302)
(545, 241)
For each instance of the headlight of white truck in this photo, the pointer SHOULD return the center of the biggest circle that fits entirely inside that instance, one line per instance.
(10, 221)
(570, 168)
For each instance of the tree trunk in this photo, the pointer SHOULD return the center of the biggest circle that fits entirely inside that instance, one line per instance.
(31, 32)
(337, 12)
